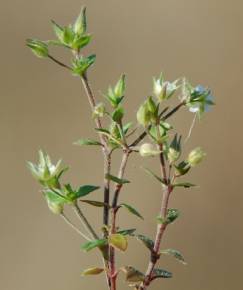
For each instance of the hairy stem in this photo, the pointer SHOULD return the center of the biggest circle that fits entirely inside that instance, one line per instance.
(67, 220)
(118, 188)
(84, 220)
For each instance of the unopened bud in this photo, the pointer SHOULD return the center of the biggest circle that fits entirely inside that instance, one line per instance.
(99, 111)
(196, 156)
(148, 150)
(56, 208)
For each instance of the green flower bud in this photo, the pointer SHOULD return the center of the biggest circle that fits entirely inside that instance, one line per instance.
(174, 150)
(144, 115)
(195, 156)
(148, 150)
(39, 48)
(56, 208)
(99, 111)
(120, 87)
(80, 25)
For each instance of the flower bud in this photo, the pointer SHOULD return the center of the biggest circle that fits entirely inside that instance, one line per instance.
(143, 115)
(195, 156)
(39, 48)
(80, 24)
(148, 150)
(173, 155)
(99, 111)
(56, 208)
(174, 151)
(120, 87)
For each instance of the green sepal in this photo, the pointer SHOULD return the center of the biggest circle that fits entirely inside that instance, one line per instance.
(116, 179)
(81, 41)
(182, 168)
(59, 30)
(131, 210)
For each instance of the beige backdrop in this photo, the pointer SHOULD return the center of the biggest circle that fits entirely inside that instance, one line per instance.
(43, 106)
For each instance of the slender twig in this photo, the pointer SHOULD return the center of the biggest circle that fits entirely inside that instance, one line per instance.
(113, 273)
(84, 220)
(163, 211)
(67, 220)
(59, 62)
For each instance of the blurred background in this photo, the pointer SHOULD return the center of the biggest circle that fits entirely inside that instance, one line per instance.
(43, 106)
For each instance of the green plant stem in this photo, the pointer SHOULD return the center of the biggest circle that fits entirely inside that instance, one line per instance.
(163, 211)
(84, 220)
(112, 265)
(67, 220)
(59, 62)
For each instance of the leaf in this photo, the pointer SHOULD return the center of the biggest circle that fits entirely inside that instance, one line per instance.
(132, 274)
(92, 271)
(172, 215)
(82, 142)
(94, 203)
(81, 41)
(146, 241)
(93, 244)
(131, 210)
(116, 179)
(85, 190)
(153, 175)
(127, 232)
(118, 241)
(161, 273)
(54, 196)
(59, 31)
(184, 184)
(176, 254)
(118, 114)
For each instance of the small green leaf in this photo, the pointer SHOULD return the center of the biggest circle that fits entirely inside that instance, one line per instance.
(118, 114)
(81, 41)
(128, 232)
(172, 215)
(116, 179)
(92, 271)
(184, 184)
(161, 273)
(82, 142)
(133, 275)
(81, 64)
(94, 203)
(183, 167)
(174, 253)
(146, 241)
(153, 175)
(59, 31)
(85, 190)
(131, 210)
(118, 241)
(94, 244)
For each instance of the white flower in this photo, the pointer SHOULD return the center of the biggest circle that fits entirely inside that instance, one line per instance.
(164, 89)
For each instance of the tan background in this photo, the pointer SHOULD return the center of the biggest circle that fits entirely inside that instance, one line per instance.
(42, 106)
